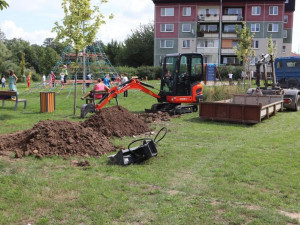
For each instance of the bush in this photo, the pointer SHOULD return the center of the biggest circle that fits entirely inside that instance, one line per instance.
(150, 72)
(131, 71)
(224, 70)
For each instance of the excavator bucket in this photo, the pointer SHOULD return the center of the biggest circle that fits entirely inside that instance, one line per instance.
(85, 109)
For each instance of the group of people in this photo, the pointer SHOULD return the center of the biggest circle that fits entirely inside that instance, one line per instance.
(102, 85)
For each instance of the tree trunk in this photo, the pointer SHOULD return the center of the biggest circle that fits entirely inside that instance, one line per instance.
(75, 92)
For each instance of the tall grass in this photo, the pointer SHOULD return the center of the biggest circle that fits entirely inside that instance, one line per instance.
(217, 93)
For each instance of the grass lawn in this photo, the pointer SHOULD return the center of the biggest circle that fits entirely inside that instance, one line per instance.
(205, 173)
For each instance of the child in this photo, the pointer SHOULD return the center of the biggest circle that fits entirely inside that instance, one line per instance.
(3, 81)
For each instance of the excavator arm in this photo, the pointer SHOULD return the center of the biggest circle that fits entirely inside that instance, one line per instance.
(129, 85)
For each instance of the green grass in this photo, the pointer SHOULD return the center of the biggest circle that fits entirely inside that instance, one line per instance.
(205, 173)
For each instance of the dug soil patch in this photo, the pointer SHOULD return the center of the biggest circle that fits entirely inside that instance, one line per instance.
(61, 138)
(65, 138)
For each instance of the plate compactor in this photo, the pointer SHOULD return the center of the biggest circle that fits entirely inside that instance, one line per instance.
(180, 89)
(138, 154)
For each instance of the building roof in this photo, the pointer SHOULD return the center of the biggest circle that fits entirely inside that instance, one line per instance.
(290, 6)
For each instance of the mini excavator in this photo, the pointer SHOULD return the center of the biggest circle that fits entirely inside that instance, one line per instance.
(180, 89)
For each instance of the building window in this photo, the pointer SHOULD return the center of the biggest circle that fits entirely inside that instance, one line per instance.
(234, 11)
(186, 43)
(235, 44)
(230, 28)
(255, 27)
(286, 1)
(231, 60)
(208, 28)
(272, 27)
(167, 28)
(255, 44)
(187, 11)
(273, 10)
(255, 10)
(284, 33)
(286, 19)
(167, 12)
(253, 61)
(166, 43)
(207, 44)
(208, 12)
(186, 27)
(283, 49)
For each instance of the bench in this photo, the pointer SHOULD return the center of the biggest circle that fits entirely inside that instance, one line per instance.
(93, 100)
(7, 96)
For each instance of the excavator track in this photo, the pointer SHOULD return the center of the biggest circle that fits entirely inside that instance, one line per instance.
(172, 109)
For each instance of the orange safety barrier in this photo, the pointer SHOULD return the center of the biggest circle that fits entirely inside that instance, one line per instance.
(47, 100)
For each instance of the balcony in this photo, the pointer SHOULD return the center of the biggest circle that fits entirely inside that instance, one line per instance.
(229, 35)
(208, 34)
(207, 50)
(228, 51)
(208, 17)
(232, 18)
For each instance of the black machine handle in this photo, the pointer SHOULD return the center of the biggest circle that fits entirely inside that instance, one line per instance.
(149, 139)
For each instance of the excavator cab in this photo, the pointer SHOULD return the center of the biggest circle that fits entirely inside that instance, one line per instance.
(181, 73)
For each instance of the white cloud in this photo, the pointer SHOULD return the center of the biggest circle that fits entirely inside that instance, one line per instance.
(36, 37)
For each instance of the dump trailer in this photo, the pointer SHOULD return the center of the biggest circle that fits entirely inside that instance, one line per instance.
(248, 109)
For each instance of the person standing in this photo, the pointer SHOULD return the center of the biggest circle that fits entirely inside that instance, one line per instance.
(62, 81)
(52, 79)
(230, 78)
(88, 77)
(65, 71)
(28, 80)
(106, 81)
(124, 79)
(3, 80)
(44, 81)
(12, 82)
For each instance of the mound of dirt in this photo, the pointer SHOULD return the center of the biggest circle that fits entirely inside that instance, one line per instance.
(61, 138)
(88, 138)
(116, 121)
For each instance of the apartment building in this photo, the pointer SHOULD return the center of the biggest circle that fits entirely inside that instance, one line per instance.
(208, 27)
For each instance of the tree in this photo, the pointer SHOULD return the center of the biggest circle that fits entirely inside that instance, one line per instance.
(22, 64)
(2, 36)
(138, 50)
(79, 28)
(3, 4)
(244, 50)
(113, 51)
(272, 50)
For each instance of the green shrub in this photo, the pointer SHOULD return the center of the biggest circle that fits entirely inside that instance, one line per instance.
(222, 71)
(217, 93)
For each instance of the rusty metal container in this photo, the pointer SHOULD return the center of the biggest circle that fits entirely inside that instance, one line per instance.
(242, 108)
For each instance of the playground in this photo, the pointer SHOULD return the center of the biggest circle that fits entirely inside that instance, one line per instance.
(205, 172)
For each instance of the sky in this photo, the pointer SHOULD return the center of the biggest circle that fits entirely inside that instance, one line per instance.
(33, 20)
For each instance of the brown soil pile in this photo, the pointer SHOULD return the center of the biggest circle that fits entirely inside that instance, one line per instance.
(64, 138)
(116, 121)
(61, 138)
